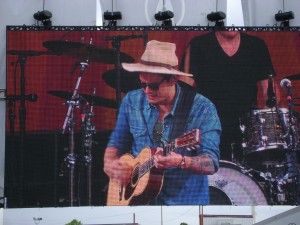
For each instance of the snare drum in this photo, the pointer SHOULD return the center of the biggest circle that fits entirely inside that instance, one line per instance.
(265, 134)
(234, 185)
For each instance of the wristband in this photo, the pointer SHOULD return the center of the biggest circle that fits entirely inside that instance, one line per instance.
(182, 163)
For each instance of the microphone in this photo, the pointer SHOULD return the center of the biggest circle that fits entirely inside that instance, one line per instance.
(271, 101)
(285, 83)
(30, 97)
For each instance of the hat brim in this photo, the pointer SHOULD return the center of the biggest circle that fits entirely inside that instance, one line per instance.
(138, 67)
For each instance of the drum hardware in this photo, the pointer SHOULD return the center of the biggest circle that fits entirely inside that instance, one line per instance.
(293, 146)
(116, 44)
(80, 51)
(96, 100)
(85, 52)
(129, 79)
(293, 174)
(280, 193)
(88, 130)
(22, 59)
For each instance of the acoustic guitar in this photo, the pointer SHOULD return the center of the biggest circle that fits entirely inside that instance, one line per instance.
(146, 180)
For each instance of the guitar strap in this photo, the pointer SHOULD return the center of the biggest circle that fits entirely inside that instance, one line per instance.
(182, 110)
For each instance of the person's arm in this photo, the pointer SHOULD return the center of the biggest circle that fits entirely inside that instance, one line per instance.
(115, 168)
(206, 161)
(202, 164)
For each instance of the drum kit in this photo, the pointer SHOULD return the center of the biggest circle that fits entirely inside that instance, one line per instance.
(268, 170)
(114, 78)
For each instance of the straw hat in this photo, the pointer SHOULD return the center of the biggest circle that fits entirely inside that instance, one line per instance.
(159, 57)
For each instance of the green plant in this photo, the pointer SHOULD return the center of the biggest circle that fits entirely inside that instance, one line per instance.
(74, 222)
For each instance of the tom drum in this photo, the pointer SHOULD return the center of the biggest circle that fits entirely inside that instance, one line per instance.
(265, 134)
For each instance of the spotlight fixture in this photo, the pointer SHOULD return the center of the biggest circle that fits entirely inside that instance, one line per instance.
(284, 17)
(44, 17)
(165, 17)
(217, 17)
(112, 17)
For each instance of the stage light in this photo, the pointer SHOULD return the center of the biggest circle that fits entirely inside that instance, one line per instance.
(112, 17)
(165, 17)
(284, 17)
(217, 17)
(44, 17)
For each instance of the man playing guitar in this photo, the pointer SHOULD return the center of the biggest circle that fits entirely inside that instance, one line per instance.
(151, 118)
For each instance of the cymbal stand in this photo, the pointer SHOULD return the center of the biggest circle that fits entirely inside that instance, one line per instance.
(69, 122)
(293, 174)
(88, 129)
(116, 43)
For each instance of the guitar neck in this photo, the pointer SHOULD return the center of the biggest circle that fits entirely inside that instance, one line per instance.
(149, 164)
(188, 140)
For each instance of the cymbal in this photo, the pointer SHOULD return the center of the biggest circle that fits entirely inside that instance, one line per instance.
(84, 51)
(294, 77)
(98, 101)
(129, 80)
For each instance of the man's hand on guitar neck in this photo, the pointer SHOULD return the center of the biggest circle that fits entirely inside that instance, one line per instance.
(116, 169)
(202, 164)
(163, 162)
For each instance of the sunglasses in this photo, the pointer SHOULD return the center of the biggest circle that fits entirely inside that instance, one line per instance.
(152, 86)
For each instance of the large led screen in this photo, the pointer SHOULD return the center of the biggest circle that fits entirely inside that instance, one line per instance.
(64, 91)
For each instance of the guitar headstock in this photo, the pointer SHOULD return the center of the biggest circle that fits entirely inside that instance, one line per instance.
(189, 139)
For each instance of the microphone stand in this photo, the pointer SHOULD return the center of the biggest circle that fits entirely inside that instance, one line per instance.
(11, 117)
(22, 58)
(116, 44)
(293, 170)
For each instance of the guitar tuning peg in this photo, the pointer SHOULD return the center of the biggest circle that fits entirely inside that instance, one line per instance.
(188, 148)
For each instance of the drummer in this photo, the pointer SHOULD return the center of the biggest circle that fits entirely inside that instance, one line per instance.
(230, 67)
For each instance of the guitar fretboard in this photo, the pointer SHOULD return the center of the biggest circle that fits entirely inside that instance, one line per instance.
(188, 140)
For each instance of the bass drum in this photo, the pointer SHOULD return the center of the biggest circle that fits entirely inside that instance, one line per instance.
(233, 185)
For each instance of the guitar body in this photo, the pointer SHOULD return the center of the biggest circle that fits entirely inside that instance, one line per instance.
(141, 189)
(146, 180)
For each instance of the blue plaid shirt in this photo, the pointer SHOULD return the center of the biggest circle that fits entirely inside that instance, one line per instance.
(134, 131)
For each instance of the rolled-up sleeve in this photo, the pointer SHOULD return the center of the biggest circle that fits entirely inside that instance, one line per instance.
(204, 117)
